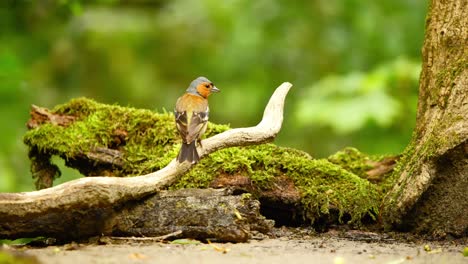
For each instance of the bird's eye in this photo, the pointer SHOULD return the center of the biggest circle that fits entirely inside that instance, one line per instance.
(207, 85)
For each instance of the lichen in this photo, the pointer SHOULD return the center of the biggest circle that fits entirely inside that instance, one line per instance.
(149, 140)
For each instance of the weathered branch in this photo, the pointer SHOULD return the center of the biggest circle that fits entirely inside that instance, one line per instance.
(40, 115)
(95, 192)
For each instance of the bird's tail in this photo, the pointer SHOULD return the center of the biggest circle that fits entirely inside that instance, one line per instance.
(188, 152)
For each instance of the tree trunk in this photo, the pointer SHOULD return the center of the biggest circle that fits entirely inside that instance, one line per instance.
(431, 194)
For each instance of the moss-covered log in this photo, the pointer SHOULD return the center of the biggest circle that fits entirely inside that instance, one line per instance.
(200, 214)
(292, 186)
(84, 195)
(431, 193)
(95, 138)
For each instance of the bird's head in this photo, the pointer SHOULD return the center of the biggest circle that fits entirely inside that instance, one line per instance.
(202, 86)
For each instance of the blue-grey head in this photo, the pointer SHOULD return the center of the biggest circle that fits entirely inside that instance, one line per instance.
(202, 86)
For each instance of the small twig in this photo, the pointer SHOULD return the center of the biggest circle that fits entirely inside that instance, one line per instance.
(158, 238)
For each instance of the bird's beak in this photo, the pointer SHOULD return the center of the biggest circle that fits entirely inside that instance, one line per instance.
(215, 90)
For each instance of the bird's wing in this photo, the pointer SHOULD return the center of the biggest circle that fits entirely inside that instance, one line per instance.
(197, 125)
(191, 114)
(181, 122)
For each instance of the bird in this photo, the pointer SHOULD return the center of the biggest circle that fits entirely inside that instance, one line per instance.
(191, 117)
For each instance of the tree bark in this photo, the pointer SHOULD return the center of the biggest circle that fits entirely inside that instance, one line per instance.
(431, 193)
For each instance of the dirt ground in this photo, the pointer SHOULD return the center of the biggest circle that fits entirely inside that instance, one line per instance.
(307, 249)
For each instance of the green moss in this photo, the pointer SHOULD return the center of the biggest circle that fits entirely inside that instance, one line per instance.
(445, 81)
(352, 160)
(149, 140)
(322, 184)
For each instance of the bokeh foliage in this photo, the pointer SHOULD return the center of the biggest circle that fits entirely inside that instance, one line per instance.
(354, 65)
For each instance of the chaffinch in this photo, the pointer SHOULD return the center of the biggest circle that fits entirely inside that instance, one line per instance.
(191, 116)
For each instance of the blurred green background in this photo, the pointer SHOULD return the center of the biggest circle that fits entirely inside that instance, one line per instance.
(354, 64)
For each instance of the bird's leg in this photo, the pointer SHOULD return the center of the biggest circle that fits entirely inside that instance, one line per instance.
(199, 143)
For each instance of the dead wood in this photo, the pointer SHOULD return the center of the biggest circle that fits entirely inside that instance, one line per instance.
(196, 213)
(381, 168)
(92, 197)
(40, 115)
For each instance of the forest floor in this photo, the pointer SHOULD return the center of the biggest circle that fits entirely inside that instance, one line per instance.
(331, 247)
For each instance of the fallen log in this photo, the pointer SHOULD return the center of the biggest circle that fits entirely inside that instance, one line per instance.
(197, 213)
(93, 196)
